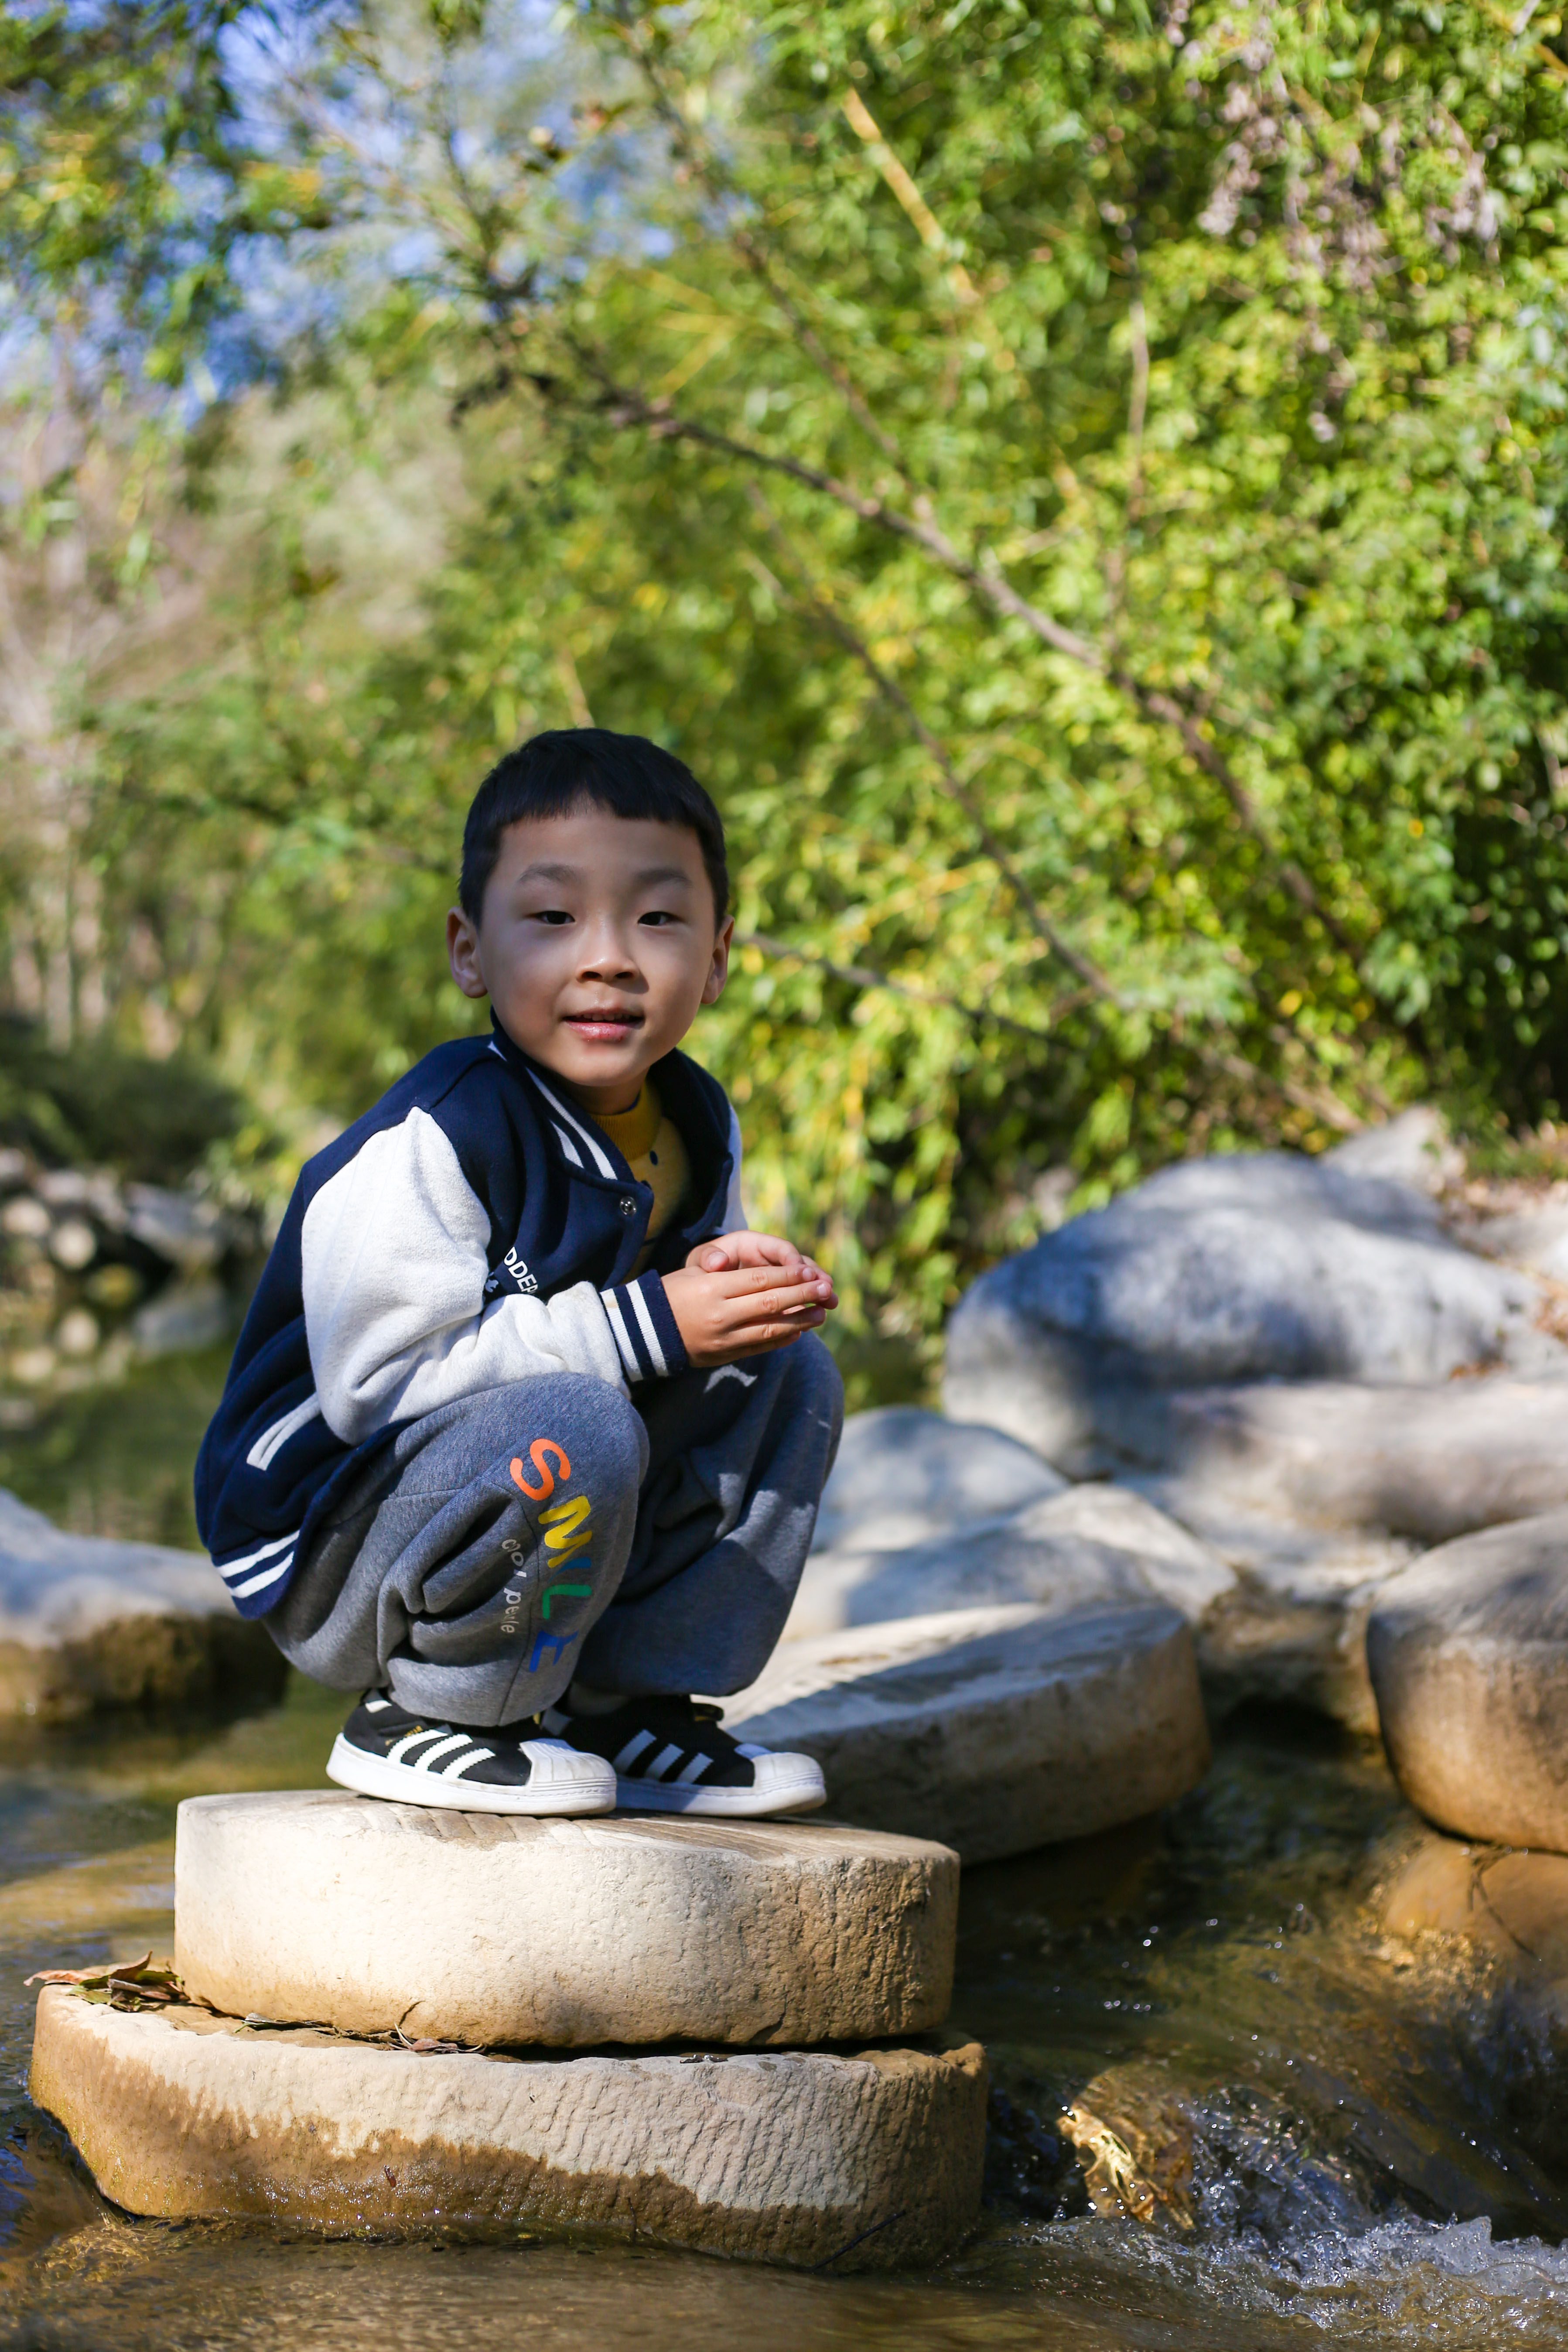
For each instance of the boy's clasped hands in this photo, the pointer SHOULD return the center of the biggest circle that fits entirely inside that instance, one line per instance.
(746, 1294)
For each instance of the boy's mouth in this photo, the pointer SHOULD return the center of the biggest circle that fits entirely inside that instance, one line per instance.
(608, 1024)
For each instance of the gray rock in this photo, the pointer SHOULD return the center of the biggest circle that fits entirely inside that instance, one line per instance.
(992, 1730)
(902, 1475)
(1468, 1649)
(1429, 1463)
(1535, 1238)
(25, 1219)
(866, 2160)
(1228, 1270)
(1292, 1626)
(317, 1907)
(1086, 1546)
(58, 1587)
(88, 1622)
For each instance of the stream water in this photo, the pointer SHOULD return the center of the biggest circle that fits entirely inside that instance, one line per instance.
(1372, 2143)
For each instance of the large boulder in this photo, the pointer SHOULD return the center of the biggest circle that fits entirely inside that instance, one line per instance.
(1089, 1546)
(1268, 1268)
(1468, 1649)
(85, 1622)
(864, 2159)
(903, 1474)
(994, 1730)
(320, 1908)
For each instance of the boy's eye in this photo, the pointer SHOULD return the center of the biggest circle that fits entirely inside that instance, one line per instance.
(552, 914)
(656, 915)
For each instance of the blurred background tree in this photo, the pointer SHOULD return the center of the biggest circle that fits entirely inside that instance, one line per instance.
(1083, 484)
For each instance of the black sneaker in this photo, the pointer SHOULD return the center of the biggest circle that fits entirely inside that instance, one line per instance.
(384, 1751)
(670, 1756)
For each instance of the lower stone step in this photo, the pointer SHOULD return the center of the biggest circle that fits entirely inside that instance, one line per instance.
(318, 1907)
(993, 1729)
(863, 2160)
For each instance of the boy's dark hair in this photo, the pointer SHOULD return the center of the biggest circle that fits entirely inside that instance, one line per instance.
(552, 774)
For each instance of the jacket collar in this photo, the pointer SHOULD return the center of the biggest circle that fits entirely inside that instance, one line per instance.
(687, 1092)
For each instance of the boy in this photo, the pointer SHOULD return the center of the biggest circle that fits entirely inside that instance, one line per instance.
(523, 1422)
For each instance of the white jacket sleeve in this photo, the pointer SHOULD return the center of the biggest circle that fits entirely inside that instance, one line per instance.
(394, 1263)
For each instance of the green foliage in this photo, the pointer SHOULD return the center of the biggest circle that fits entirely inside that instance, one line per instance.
(1084, 485)
(123, 167)
(95, 1106)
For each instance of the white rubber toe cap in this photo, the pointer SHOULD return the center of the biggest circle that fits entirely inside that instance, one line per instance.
(556, 1764)
(793, 1784)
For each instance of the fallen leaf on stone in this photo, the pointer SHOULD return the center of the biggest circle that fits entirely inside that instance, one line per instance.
(99, 1975)
(131, 1985)
(138, 1993)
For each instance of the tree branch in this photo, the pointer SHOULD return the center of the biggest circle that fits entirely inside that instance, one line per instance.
(623, 407)
(1323, 1106)
(953, 783)
(698, 156)
(860, 976)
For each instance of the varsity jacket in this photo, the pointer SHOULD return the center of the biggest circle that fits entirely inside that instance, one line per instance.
(474, 1228)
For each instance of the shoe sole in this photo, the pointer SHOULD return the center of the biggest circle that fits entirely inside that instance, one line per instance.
(399, 1784)
(796, 1796)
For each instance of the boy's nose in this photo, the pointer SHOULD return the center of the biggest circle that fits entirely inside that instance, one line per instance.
(606, 953)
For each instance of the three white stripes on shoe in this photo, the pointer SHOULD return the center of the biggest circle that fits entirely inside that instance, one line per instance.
(401, 1750)
(401, 1753)
(667, 1758)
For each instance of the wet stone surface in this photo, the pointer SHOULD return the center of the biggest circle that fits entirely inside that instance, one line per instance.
(1337, 2134)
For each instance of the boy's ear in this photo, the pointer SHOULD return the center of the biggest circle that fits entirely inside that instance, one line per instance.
(463, 953)
(719, 969)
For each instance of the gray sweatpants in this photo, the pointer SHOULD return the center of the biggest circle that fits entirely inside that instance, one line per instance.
(515, 1539)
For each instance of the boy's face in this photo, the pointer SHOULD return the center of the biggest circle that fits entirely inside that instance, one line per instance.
(596, 945)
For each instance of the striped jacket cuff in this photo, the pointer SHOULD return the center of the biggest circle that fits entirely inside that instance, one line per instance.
(645, 1329)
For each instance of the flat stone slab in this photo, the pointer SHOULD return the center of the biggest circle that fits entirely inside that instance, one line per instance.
(993, 1729)
(87, 1622)
(1468, 1649)
(321, 1907)
(873, 2157)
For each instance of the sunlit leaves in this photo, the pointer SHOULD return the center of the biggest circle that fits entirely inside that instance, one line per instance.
(1230, 340)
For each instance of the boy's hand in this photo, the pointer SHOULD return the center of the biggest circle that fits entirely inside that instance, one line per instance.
(734, 1310)
(728, 1251)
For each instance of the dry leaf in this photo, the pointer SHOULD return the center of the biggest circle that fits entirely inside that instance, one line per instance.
(100, 1975)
